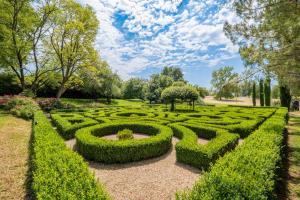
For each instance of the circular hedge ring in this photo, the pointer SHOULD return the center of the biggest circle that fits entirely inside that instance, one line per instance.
(91, 146)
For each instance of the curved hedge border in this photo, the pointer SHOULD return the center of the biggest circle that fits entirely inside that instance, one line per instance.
(67, 128)
(188, 150)
(104, 150)
(250, 171)
(58, 172)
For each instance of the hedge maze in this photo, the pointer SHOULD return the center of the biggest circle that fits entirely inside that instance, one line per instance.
(226, 163)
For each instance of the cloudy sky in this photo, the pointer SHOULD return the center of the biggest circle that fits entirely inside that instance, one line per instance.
(139, 37)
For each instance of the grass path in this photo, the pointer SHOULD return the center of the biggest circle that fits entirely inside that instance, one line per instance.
(14, 140)
(294, 156)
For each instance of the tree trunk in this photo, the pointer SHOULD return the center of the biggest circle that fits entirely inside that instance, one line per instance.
(172, 105)
(61, 91)
(193, 104)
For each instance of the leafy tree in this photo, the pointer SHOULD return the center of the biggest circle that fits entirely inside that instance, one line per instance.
(254, 94)
(179, 83)
(224, 82)
(269, 38)
(285, 96)
(275, 92)
(72, 35)
(186, 93)
(134, 88)
(16, 24)
(202, 91)
(261, 92)
(174, 72)
(156, 85)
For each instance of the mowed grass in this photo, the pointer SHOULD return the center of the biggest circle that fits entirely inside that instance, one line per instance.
(102, 102)
(14, 141)
(294, 156)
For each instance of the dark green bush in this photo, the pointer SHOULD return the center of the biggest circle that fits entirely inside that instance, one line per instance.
(58, 172)
(93, 147)
(188, 150)
(67, 126)
(250, 171)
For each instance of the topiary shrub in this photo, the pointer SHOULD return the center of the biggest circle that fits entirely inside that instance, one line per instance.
(92, 146)
(125, 134)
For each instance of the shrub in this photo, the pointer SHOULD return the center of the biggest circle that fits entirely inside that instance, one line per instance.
(67, 126)
(125, 134)
(58, 172)
(250, 171)
(23, 107)
(188, 150)
(93, 147)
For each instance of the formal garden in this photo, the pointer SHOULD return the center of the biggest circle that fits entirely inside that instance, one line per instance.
(149, 100)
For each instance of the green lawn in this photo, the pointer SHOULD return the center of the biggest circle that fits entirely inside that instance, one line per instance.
(294, 156)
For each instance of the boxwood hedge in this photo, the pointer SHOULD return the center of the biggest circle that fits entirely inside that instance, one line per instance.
(68, 125)
(188, 150)
(93, 147)
(58, 172)
(250, 171)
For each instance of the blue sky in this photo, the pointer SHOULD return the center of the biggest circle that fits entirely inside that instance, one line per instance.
(139, 37)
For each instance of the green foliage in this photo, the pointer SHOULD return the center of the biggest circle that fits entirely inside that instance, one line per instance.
(134, 88)
(188, 151)
(125, 134)
(9, 84)
(90, 144)
(68, 125)
(272, 43)
(254, 94)
(187, 93)
(58, 172)
(250, 171)
(174, 72)
(22, 107)
(285, 96)
(261, 93)
(223, 82)
(267, 89)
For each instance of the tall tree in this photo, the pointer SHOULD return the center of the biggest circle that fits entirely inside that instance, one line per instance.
(269, 37)
(267, 89)
(72, 36)
(16, 23)
(224, 82)
(254, 94)
(174, 72)
(261, 92)
(134, 88)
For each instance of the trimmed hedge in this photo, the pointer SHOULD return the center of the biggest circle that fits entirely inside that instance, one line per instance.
(188, 150)
(250, 171)
(68, 124)
(93, 147)
(58, 172)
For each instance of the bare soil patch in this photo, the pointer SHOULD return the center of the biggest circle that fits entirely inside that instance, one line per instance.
(157, 178)
(14, 141)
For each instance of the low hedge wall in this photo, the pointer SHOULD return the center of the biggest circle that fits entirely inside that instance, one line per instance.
(250, 171)
(93, 147)
(67, 127)
(58, 172)
(188, 150)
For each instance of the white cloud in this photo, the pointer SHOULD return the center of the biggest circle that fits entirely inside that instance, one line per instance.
(163, 33)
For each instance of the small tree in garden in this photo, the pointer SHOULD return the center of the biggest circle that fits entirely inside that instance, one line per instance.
(261, 92)
(254, 94)
(186, 93)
